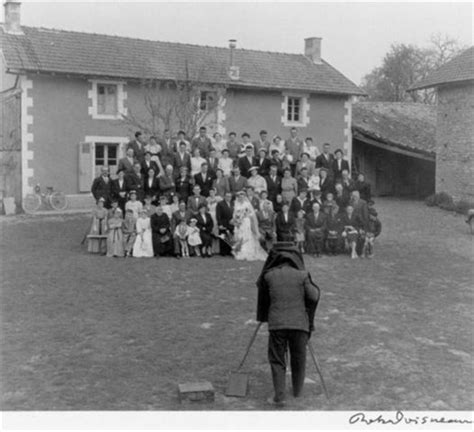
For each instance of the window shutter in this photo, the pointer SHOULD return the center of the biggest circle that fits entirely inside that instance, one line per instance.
(86, 166)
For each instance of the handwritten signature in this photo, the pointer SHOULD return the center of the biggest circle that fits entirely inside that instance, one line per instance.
(401, 418)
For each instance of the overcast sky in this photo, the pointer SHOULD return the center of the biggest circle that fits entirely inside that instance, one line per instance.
(355, 35)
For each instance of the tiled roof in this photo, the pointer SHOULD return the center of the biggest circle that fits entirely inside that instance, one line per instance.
(60, 51)
(460, 68)
(407, 125)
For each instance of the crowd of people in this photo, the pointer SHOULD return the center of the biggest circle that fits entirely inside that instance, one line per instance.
(205, 196)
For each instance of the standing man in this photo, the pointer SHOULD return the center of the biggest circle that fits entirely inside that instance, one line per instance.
(126, 163)
(204, 179)
(233, 146)
(339, 165)
(261, 143)
(202, 142)
(224, 213)
(273, 183)
(237, 182)
(138, 146)
(325, 160)
(136, 181)
(167, 148)
(247, 161)
(287, 300)
(102, 187)
(293, 146)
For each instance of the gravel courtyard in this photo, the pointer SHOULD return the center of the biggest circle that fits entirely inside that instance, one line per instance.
(83, 332)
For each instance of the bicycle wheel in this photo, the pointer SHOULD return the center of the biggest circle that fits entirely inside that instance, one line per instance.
(31, 203)
(58, 201)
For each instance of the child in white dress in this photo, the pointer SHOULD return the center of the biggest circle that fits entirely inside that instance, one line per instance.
(143, 246)
(194, 238)
(133, 204)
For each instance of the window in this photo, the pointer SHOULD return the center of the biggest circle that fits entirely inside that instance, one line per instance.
(107, 99)
(293, 109)
(106, 154)
(208, 100)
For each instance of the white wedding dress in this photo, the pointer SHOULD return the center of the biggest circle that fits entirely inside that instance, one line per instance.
(246, 235)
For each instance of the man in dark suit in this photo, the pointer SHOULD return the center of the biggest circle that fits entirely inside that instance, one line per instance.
(224, 213)
(138, 146)
(303, 179)
(202, 142)
(126, 163)
(182, 158)
(247, 161)
(136, 181)
(119, 190)
(102, 187)
(285, 224)
(167, 145)
(339, 165)
(213, 162)
(204, 179)
(195, 200)
(325, 159)
(148, 163)
(325, 183)
(237, 182)
(233, 146)
(263, 163)
(273, 183)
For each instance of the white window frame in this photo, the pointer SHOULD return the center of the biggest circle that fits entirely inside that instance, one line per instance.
(304, 109)
(121, 97)
(93, 140)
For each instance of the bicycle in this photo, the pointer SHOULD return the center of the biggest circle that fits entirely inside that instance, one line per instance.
(54, 199)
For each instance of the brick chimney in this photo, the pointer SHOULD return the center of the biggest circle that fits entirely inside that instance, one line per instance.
(233, 71)
(312, 49)
(12, 16)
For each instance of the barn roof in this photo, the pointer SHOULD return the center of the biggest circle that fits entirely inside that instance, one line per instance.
(69, 52)
(460, 68)
(404, 125)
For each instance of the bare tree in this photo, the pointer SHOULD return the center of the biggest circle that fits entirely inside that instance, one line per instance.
(404, 65)
(185, 103)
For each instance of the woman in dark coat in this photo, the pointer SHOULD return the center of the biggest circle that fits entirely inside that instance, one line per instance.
(152, 186)
(161, 235)
(315, 230)
(205, 225)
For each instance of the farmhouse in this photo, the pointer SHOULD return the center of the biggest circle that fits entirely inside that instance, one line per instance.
(75, 88)
(454, 82)
(394, 146)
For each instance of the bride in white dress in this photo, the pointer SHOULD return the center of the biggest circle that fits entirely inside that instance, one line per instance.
(246, 233)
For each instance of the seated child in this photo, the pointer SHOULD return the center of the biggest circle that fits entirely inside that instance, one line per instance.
(129, 232)
(174, 206)
(182, 232)
(114, 235)
(374, 228)
(165, 206)
(194, 238)
(300, 228)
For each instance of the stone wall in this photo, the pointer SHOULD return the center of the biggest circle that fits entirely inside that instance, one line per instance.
(455, 141)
